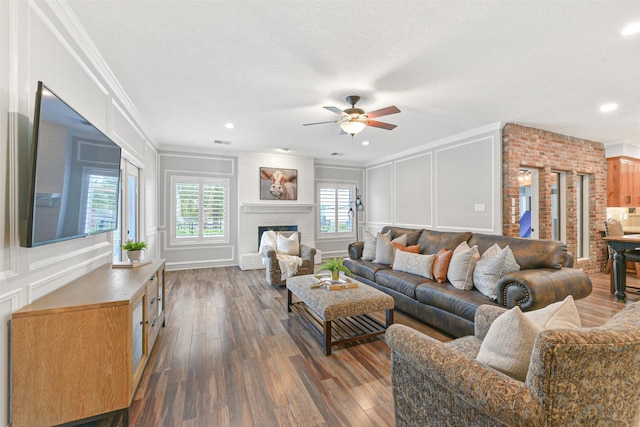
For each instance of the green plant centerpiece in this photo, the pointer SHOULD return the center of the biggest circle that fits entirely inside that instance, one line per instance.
(133, 248)
(335, 266)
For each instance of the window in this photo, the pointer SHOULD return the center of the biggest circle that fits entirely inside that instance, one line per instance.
(582, 215)
(558, 206)
(199, 210)
(335, 201)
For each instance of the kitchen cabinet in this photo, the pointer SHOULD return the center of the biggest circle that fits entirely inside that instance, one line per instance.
(79, 352)
(623, 182)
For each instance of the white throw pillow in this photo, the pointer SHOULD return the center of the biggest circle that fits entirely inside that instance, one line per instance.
(288, 245)
(493, 264)
(461, 266)
(384, 247)
(508, 345)
(369, 250)
(421, 265)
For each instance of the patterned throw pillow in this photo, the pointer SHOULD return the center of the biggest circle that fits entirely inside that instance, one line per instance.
(414, 249)
(508, 345)
(384, 247)
(462, 264)
(441, 265)
(414, 263)
(493, 264)
(369, 250)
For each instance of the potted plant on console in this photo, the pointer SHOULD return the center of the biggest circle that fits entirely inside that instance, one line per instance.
(134, 249)
(335, 266)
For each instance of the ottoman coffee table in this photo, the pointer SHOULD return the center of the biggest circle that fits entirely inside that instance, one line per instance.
(340, 314)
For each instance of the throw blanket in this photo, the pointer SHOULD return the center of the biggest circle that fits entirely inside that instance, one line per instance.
(288, 263)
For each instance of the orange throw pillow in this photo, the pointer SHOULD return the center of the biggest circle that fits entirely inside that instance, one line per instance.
(441, 265)
(414, 249)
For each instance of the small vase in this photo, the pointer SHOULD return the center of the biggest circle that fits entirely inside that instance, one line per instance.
(335, 275)
(134, 256)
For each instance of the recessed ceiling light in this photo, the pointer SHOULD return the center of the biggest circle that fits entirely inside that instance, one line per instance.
(607, 108)
(365, 143)
(229, 125)
(631, 29)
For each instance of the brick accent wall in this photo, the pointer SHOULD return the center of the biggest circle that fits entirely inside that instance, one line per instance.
(551, 152)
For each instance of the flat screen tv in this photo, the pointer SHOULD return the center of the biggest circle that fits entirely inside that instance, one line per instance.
(75, 175)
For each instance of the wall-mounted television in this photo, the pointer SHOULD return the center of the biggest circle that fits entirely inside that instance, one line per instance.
(75, 175)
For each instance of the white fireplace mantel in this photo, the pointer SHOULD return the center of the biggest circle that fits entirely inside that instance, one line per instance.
(277, 208)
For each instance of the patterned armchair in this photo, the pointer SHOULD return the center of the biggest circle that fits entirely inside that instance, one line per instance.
(584, 377)
(274, 274)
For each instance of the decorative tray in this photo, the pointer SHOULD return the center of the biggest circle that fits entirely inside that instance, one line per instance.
(335, 285)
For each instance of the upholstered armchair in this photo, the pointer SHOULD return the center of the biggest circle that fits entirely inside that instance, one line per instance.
(580, 377)
(274, 274)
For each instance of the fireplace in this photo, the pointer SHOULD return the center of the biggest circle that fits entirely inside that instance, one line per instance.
(263, 228)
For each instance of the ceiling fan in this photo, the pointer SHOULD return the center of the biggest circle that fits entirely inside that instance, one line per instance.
(354, 120)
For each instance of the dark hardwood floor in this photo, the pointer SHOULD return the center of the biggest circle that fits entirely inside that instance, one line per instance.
(231, 355)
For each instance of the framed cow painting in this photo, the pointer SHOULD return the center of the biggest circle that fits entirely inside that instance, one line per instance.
(278, 184)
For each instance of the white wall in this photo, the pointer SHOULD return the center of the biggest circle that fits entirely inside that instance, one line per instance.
(40, 41)
(249, 165)
(447, 185)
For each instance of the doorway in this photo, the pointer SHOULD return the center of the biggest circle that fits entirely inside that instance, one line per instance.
(529, 202)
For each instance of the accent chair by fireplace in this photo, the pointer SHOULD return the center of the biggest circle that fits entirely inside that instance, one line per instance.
(274, 274)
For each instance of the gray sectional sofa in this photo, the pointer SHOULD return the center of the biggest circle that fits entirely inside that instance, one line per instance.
(546, 276)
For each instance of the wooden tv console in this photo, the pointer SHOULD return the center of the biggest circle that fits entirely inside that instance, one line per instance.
(79, 351)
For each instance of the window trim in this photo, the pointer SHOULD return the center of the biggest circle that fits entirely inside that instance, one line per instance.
(200, 239)
(336, 234)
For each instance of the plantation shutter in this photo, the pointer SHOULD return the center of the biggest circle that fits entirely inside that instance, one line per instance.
(335, 202)
(213, 209)
(187, 218)
(200, 209)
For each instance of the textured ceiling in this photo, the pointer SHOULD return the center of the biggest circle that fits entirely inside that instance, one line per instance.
(450, 66)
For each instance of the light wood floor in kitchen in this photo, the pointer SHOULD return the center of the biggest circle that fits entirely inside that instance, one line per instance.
(231, 355)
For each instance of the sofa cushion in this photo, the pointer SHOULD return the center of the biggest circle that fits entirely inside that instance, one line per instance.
(432, 241)
(441, 265)
(384, 247)
(402, 282)
(492, 265)
(414, 263)
(529, 253)
(463, 262)
(445, 297)
(508, 345)
(366, 269)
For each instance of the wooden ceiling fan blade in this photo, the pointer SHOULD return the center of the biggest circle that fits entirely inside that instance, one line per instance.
(384, 112)
(319, 123)
(334, 109)
(381, 125)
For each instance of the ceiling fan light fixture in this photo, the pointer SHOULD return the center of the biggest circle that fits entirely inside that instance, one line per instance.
(353, 127)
